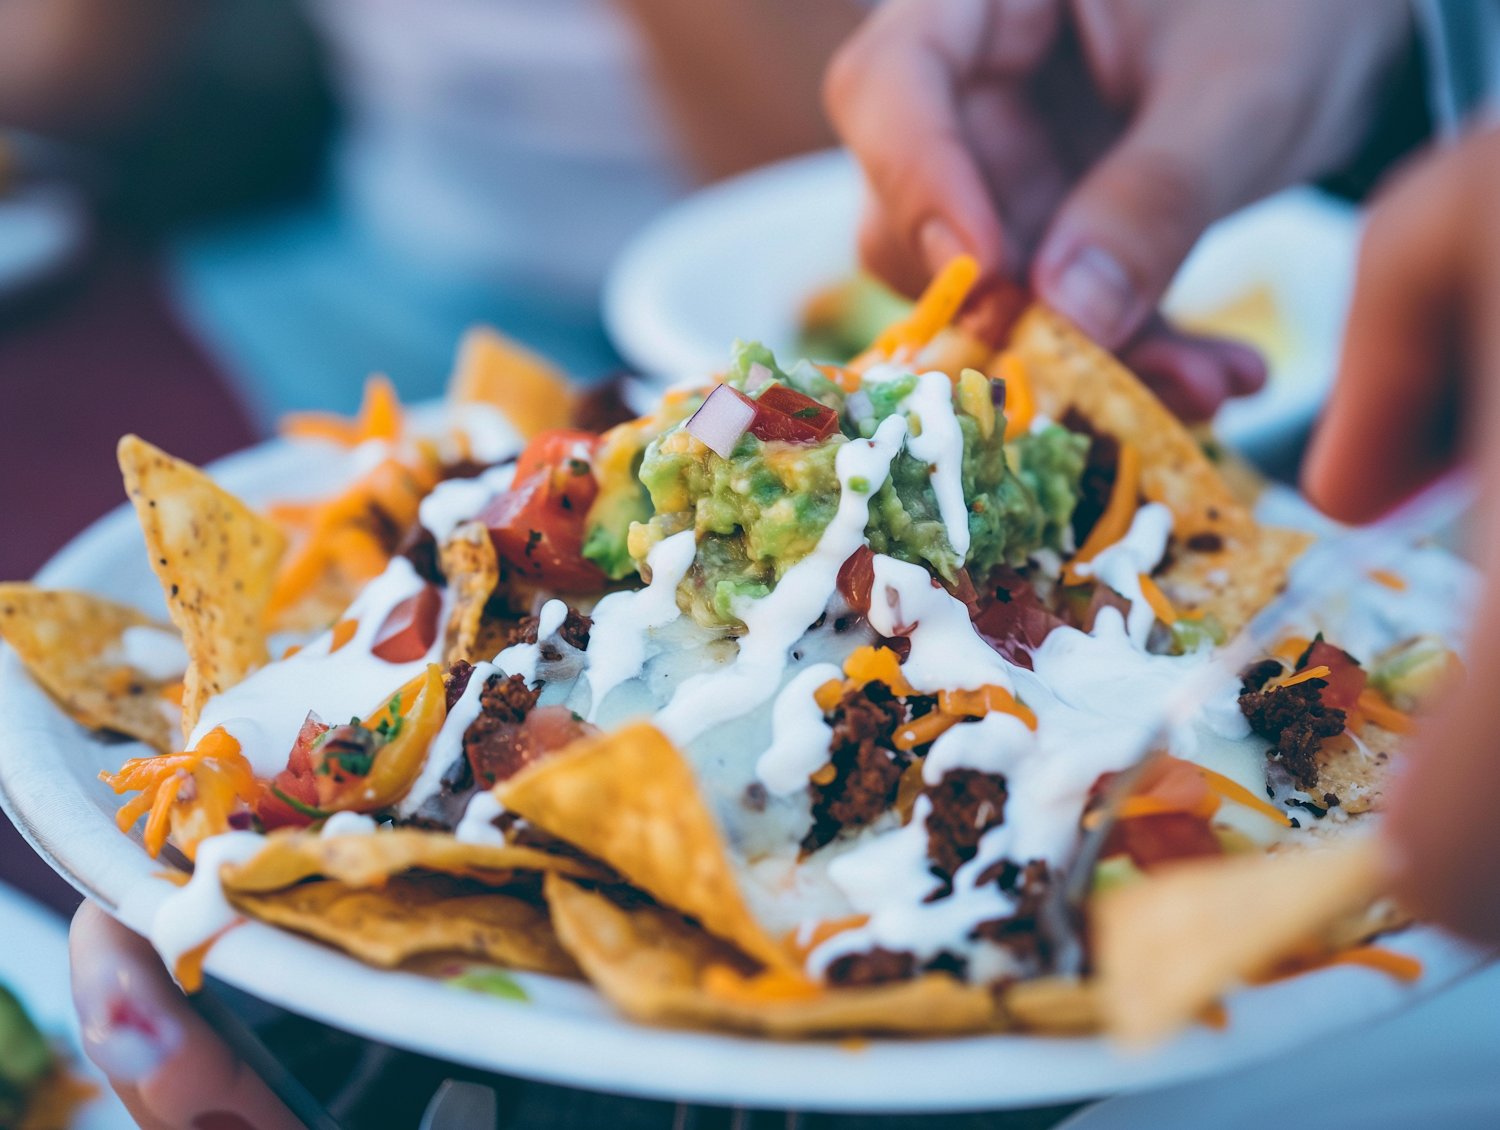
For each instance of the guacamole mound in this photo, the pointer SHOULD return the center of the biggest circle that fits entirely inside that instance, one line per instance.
(764, 508)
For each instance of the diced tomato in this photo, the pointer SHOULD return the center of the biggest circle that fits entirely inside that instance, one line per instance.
(857, 578)
(1345, 678)
(297, 781)
(1150, 840)
(1014, 622)
(786, 414)
(410, 628)
(511, 747)
(538, 525)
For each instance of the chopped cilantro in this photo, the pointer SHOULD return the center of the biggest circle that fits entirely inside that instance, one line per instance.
(808, 413)
(578, 466)
(859, 484)
(495, 982)
(305, 809)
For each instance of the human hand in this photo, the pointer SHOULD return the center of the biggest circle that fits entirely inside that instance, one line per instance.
(1416, 392)
(168, 1066)
(1084, 145)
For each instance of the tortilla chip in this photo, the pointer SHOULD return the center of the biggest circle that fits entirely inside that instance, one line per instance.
(472, 569)
(415, 914)
(71, 644)
(629, 799)
(1356, 772)
(650, 963)
(1168, 947)
(1054, 1006)
(493, 369)
(216, 560)
(1232, 583)
(368, 861)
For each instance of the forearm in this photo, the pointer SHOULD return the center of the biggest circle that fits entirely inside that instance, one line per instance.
(742, 77)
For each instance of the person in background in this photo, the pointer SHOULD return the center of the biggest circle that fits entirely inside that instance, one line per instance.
(1083, 147)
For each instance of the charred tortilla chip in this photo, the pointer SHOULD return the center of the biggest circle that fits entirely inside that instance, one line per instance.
(71, 642)
(216, 560)
(652, 964)
(1242, 565)
(469, 562)
(412, 915)
(369, 861)
(629, 799)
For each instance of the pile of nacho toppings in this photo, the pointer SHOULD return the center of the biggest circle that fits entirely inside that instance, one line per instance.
(799, 690)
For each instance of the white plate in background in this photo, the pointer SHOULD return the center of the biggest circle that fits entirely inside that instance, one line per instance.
(740, 258)
(566, 1034)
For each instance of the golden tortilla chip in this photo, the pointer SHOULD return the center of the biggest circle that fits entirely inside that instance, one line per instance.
(216, 560)
(1250, 563)
(493, 369)
(368, 861)
(1168, 947)
(1054, 1006)
(71, 642)
(651, 964)
(415, 914)
(469, 563)
(629, 799)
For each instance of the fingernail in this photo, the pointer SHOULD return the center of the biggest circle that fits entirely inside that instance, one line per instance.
(220, 1120)
(128, 1035)
(940, 243)
(1096, 293)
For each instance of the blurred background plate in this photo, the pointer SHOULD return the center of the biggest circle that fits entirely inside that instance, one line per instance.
(742, 259)
(43, 230)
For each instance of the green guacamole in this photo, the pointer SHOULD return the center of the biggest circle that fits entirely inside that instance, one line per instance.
(763, 509)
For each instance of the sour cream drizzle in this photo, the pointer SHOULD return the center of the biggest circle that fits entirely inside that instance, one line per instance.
(1120, 565)
(941, 447)
(155, 652)
(621, 621)
(458, 500)
(448, 746)
(348, 824)
(946, 652)
(521, 659)
(799, 735)
(477, 825)
(266, 710)
(778, 621)
(193, 914)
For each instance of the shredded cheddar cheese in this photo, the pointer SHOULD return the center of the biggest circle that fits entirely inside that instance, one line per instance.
(1020, 403)
(1318, 672)
(1114, 523)
(1158, 601)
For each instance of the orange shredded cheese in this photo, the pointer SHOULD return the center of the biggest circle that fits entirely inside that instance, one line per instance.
(189, 969)
(1388, 579)
(824, 775)
(1375, 709)
(987, 699)
(829, 695)
(1401, 966)
(726, 983)
(877, 664)
(1150, 805)
(920, 731)
(1318, 672)
(379, 418)
(821, 933)
(939, 303)
(1233, 790)
(1158, 601)
(343, 632)
(1020, 402)
(173, 692)
(1114, 523)
(1291, 648)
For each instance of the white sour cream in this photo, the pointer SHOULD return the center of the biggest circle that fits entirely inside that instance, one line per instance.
(622, 620)
(492, 437)
(456, 501)
(155, 652)
(941, 447)
(799, 735)
(265, 712)
(778, 621)
(348, 824)
(991, 745)
(946, 652)
(193, 914)
(521, 659)
(448, 746)
(477, 825)
(1120, 565)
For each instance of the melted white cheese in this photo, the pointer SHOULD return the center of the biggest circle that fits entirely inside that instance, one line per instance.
(946, 652)
(448, 746)
(622, 621)
(1120, 565)
(778, 621)
(941, 447)
(348, 824)
(265, 712)
(456, 501)
(155, 652)
(193, 914)
(521, 659)
(799, 735)
(477, 825)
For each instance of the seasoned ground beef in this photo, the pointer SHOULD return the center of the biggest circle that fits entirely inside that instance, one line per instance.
(1020, 932)
(1098, 473)
(1255, 676)
(574, 631)
(491, 743)
(873, 968)
(866, 765)
(456, 681)
(421, 549)
(965, 805)
(1207, 542)
(1296, 719)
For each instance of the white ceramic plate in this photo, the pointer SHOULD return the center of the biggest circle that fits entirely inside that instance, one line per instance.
(566, 1034)
(739, 259)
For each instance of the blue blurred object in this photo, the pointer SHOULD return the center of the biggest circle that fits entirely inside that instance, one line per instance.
(300, 306)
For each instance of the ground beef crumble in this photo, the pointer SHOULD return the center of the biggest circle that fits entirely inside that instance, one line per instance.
(867, 767)
(490, 742)
(574, 631)
(872, 968)
(1294, 717)
(1020, 932)
(965, 805)
(1098, 479)
(456, 681)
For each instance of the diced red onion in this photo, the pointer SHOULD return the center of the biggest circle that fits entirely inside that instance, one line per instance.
(721, 420)
(759, 377)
